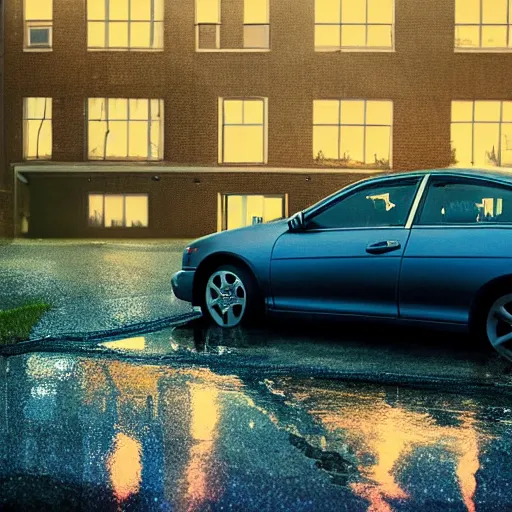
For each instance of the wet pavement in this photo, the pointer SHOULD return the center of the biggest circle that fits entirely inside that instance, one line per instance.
(86, 431)
(93, 286)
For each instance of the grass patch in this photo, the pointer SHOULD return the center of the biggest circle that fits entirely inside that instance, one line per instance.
(16, 324)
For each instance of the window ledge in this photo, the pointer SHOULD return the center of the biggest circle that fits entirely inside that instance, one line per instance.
(482, 50)
(232, 50)
(354, 50)
(37, 50)
(126, 50)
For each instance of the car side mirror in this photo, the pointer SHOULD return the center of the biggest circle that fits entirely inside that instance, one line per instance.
(296, 222)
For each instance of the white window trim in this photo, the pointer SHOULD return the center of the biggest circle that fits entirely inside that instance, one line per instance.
(221, 130)
(218, 25)
(359, 49)
(124, 196)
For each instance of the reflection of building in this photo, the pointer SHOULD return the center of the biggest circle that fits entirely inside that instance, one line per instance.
(155, 126)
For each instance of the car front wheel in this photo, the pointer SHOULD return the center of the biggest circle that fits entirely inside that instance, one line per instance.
(229, 296)
(499, 323)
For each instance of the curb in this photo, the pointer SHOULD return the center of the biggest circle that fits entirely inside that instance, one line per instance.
(82, 340)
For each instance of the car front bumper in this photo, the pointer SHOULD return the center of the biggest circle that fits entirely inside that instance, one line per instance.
(182, 284)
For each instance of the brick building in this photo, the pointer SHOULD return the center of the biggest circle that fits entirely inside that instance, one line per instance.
(177, 118)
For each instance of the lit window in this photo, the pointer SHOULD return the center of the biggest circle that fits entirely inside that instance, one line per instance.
(118, 211)
(125, 129)
(483, 25)
(243, 131)
(481, 133)
(354, 24)
(38, 23)
(37, 128)
(256, 28)
(352, 133)
(125, 24)
(244, 210)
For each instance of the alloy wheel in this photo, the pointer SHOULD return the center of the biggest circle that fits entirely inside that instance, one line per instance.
(499, 324)
(226, 298)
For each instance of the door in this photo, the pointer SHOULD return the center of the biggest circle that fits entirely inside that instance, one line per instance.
(460, 240)
(347, 260)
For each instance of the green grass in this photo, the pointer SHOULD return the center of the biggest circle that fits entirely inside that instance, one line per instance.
(16, 324)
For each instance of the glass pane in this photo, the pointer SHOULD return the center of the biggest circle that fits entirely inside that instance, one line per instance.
(486, 144)
(272, 208)
(326, 112)
(118, 10)
(353, 11)
(158, 6)
(140, 35)
(95, 9)
(467, 11)
(506, 144)
(118, 34)
(38, 139)
(325, 142)
(380, 11)
(378, 146)
(234, 212)
(243, 144)
(157, 150)
(379, 112)
(96, 109)
(487, 110)
(327, 36)
(118, 108)
(117, 142)
(38, 108)
(494, 11)
(140, 10)
(96, 34)
(467, 37)
(139, 109)
(136, 211)
(207, 11)
(462, 141)
(233, 111)
(352, 112)
(138, 139)
(353, 36)
(96, 139)
(96, 210)
(256, 11)
(494, 37)
(253, 112)
(462, 110)
(38, 9)
(254, 208)
(327, 11)
(157, 109)
(114, 211)
(351, 145)
(507, 110)
(158, 35)
(256, 36)
(379, 36)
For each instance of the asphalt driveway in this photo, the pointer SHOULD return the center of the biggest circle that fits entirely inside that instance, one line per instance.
(93, 285)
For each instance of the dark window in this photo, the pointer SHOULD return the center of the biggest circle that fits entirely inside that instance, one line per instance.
(456, 201)
(375, 206)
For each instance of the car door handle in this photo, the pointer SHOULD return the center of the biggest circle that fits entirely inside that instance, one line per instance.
(383, 247)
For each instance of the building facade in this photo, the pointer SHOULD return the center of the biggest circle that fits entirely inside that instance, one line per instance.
(178, 118)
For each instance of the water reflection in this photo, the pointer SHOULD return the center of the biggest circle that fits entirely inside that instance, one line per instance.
(153, 437)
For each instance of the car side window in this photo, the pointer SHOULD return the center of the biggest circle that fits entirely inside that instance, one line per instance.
(458, 201)
(374, 206)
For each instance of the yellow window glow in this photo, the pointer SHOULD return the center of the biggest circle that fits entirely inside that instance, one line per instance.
(379, 112)
(462, 141)
(353, 11)
(380, 11)
(207, 11)
(96, 210)
(462, 110)
(327, 36)
(467, 11)
(256, 11)
(325, 141)
(114, 211)
(326, 112)
(96, 9)
(243, 144)
(136, 211)
(37, 128)
(38, 10)
(351, 143)
(233, 111)
(119, 10)
(487, 110)
(494, 11)
(353, 35)
(352, 112)
(494, 37)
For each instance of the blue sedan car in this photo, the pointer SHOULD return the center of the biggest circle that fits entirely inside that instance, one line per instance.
(424, 247)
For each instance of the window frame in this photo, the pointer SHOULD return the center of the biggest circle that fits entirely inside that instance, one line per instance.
(129, 22)
(28, 24)
(124, 196)
(348, 49)
(222, 125)
(481, 25)
(419, 187)
(105, 158)
(460, 178)
(25, 131)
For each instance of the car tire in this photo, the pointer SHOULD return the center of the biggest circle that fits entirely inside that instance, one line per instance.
(494, 320)
(230, 297)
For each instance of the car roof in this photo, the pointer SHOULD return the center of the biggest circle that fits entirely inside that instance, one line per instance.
(492, 173)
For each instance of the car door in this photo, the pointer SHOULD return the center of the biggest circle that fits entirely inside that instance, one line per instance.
(460, 240)
(347, 259)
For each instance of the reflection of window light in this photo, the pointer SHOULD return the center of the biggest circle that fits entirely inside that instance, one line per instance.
(43, 391)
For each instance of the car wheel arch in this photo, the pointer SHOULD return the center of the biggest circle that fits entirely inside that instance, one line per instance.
(209, 264)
